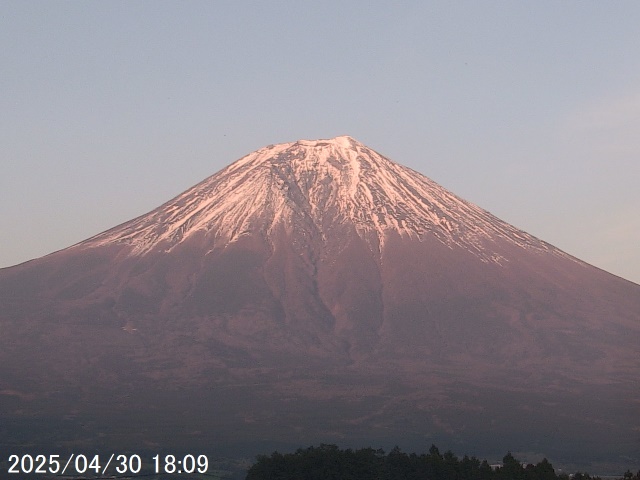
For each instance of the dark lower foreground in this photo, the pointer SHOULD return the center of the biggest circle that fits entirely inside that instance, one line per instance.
(325, 462)
(240, 421)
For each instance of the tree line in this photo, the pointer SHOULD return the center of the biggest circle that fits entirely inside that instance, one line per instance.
(328, 462)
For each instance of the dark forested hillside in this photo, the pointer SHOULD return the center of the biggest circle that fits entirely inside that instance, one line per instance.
(328, 462)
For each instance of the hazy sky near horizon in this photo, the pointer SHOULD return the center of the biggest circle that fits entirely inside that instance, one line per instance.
(530, 110)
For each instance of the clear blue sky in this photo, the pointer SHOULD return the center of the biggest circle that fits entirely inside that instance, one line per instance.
(529, 109)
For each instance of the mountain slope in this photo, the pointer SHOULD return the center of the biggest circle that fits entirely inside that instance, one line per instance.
(317, 291)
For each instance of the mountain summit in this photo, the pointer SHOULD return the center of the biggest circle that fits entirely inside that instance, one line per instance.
(313, 188)
(316, 291)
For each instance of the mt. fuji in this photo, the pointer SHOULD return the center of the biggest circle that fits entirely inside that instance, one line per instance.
(317, 291)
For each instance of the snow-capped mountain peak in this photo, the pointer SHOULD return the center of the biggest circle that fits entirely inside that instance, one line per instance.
(311, 186)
